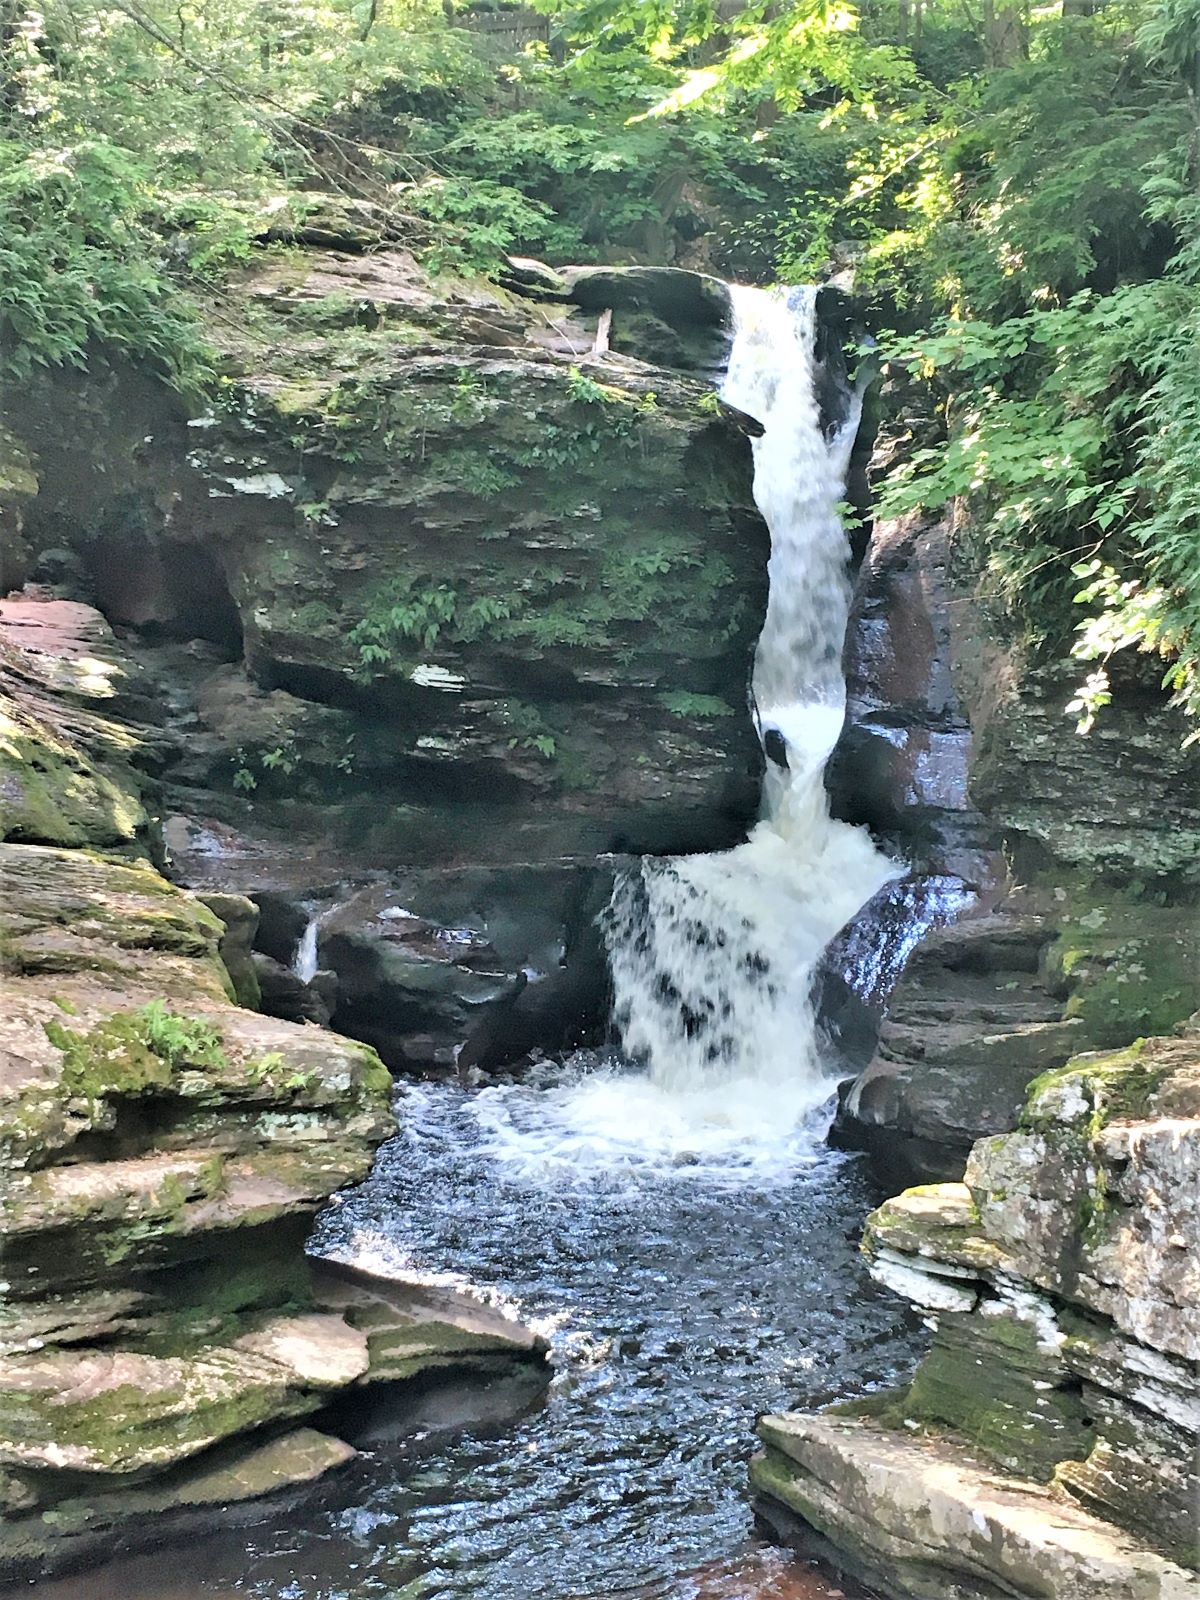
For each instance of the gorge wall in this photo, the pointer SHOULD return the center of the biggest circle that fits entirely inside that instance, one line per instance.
(1047, 1443)
(423, 589)
(341, 697)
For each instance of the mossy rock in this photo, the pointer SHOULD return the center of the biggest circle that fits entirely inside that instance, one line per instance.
(53, 792)
(1128, 964)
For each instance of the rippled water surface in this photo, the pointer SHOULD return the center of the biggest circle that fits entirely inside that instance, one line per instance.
(687, 1281)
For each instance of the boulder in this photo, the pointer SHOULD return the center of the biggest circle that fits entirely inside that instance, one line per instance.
(450, 969)
(671, 293)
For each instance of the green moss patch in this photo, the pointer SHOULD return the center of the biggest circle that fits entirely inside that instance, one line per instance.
(134, 1052)
(988, 1379)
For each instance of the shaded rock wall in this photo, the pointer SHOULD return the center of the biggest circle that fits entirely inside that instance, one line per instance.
(429, 586)
(466, 592)
(1079, 919)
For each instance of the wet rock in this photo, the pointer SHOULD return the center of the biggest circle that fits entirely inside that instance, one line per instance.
(281, 924)
(925, 1521)
(863, 964)
(902, 763)
(285, 994)
(988, 1003)
(412, 1328)
(970, 1023)
(471, 968)
(956, 742)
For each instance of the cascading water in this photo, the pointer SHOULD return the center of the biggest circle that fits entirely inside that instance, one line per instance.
(304, 962)
(713, 956)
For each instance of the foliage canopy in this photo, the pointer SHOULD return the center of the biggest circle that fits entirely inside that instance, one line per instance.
(1018, 195)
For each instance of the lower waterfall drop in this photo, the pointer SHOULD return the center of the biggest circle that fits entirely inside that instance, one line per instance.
(713, 956)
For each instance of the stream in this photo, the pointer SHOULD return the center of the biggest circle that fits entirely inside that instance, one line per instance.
(682, 1292)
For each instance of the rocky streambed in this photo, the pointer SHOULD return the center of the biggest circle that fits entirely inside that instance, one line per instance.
(679, 1301)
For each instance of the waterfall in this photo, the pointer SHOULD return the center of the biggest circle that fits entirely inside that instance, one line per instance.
(713, 956)
(304, 962)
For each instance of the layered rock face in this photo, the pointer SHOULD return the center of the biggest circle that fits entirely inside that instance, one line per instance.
(1048, 1442)
(1047, 1445)
(164, 1343)
(446, 580)
(1078, 923)
(164, 1153)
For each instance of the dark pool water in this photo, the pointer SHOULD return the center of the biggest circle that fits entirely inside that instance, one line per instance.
(684, 1291)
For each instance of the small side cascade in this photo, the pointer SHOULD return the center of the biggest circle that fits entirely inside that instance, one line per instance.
(713, 956)
(304, 962)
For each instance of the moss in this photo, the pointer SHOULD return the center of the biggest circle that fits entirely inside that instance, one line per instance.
(18, 479)
(165, 1214)
(988, 1379)
(1118, 1084)
(950, 1229)
(51, 792)
(133, 1052)
(374, 1080)
(221, 1299)
(887, 1406)
(129, 1426)
(1127, 964)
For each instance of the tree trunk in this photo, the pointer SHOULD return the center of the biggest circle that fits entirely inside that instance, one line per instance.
(1005, 33)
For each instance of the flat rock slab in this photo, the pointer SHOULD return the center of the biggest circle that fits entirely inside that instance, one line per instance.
(124, 1412)
(413, 1327)
(94, 1527)
(321, 1350)
(925, 1521)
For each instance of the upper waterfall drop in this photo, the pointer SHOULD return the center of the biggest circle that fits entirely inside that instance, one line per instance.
(713, 956)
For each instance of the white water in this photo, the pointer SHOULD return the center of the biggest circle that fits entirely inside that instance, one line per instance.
(713, 956)
(304, 962)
